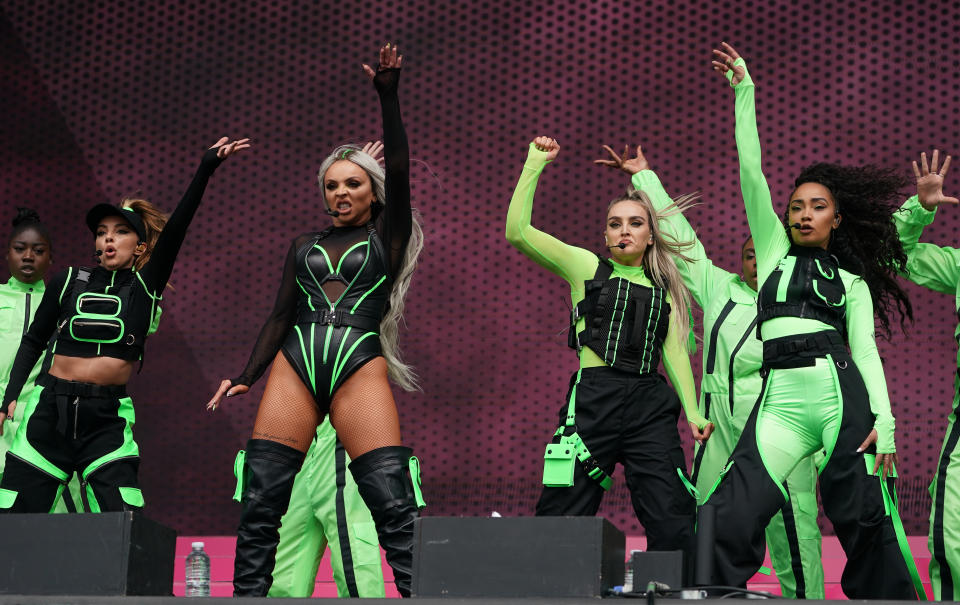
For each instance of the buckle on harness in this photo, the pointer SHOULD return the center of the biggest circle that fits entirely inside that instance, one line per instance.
(331, 317)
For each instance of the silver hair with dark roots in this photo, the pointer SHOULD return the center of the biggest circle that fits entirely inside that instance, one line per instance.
(659, 258)
(401, 373)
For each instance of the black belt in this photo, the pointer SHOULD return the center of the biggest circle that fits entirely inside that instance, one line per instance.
(802, 349)
(64, 389)
(338, 318)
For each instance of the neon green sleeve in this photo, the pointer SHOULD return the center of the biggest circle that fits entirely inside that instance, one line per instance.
(676, 361)
(700, 276)
(769, 238)
(863, 349)
(569, 262)
(930, 266)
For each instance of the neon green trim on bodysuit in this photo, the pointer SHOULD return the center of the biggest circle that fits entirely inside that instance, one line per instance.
(339, 358)
(314, 277)
(348, 251)
(306, 295)
(303, 351)
(328, 334)
(368, 293)
(337, 369)
(66, 283)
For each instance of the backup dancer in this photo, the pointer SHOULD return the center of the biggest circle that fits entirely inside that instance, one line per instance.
(821, 281)
(629, 310)
(332, 338)
(937, 268)
(731, 384)
(79, 419)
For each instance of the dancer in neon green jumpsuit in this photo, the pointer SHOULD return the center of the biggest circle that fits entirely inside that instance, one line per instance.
(731, 384)
(29, 255)
(938, 268)
(326, 510)
(817, 394)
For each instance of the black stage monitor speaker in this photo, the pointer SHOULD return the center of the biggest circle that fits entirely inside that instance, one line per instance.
(662, 566)
(516, 557)
(86, 554)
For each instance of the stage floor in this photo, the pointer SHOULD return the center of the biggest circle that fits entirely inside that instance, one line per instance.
(220, 549)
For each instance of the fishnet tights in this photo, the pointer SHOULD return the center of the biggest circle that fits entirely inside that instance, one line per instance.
(363, 410)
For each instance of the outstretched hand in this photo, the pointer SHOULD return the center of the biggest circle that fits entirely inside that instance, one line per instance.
(887, 461)
(9, 414)
(701, 435)
(225, 147)
(627, 164)
(930, 181)
(723, 62)
(389, 59)
(373, 149)
(551, 146)
(225, 390)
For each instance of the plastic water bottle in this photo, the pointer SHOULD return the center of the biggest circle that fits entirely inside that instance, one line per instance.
(197, 572)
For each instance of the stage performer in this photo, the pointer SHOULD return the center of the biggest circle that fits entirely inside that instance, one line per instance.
(732, 356)
(628, 311)
(80, 418)
(821, 280)
(937, 268)
(335, 325)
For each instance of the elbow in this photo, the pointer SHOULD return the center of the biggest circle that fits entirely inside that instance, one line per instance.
(513, 235)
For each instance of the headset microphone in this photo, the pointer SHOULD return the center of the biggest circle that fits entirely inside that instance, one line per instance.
(621, 245)
(795, 226)
(97, 255)
(332, 212)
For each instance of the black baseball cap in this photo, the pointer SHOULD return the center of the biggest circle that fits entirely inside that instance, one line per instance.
(98, 212)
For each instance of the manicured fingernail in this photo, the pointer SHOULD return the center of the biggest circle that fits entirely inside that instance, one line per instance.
(859, 449)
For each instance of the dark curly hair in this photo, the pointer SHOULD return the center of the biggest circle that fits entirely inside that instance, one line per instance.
(866, 242)
(28, 219)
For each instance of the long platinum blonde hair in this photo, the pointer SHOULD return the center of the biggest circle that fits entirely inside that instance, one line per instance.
(659, 258)
(401, 373)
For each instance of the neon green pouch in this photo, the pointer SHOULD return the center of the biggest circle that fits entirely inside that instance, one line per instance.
(558, 463)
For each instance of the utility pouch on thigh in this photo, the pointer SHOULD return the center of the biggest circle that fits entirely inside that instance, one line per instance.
(558, 463)
(238, 463)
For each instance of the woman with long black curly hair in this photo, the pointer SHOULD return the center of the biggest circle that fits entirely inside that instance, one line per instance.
(822, 280)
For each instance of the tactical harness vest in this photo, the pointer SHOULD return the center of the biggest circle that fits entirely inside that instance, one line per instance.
(806, 284)
(625, 324)
(108, 323)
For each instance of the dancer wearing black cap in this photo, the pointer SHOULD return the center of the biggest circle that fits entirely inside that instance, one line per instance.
(79, 419)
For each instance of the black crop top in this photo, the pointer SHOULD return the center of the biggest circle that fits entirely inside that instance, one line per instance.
(82, 310)
(342, 247)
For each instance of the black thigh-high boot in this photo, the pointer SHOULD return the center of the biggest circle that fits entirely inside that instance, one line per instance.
(386, 488)
(268, 473)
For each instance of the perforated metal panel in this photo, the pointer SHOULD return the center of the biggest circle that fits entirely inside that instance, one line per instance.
(107, 99)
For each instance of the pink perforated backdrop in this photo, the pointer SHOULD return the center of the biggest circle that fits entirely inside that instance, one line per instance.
(107, 99)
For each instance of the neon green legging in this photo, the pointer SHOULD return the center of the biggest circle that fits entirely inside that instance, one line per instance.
(801, 414)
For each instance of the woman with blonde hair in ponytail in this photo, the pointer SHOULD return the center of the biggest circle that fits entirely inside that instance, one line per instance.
(79, 419)
(629, 311)
(332, 339)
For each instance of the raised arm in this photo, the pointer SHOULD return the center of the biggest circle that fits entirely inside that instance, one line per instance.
(700, 276)
(395, 222)
(569, 262)
(934, 267)
(769, 238)
(157, 271)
